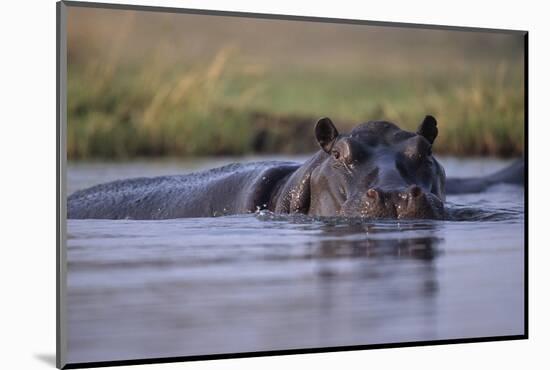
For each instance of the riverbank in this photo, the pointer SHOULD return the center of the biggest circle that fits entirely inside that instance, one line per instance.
(146, 85)
(204, 112)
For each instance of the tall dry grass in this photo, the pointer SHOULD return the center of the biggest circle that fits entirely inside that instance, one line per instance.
(159, 110)
(132, 93)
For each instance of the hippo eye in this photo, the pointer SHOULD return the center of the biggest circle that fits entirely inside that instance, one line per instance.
(336, 154)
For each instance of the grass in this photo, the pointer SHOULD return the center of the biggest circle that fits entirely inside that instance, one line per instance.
(123, 107)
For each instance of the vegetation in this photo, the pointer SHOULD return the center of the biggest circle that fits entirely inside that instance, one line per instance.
(121, 106)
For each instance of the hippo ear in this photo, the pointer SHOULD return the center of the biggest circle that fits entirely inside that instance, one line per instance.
(428, 129)
(326, 133)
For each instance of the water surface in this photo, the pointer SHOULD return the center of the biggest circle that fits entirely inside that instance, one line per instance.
(257, 282)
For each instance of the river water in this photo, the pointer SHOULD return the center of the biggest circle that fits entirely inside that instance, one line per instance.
(259, 282)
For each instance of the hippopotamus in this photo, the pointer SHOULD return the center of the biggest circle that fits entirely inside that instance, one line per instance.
(375, 171)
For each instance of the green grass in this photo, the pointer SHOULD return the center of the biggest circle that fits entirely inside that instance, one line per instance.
(140, 98)
(214, 109)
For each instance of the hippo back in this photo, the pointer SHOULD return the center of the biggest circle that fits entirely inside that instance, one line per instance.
(231, 189)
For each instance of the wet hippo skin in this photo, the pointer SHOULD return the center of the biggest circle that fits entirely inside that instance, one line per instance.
(375, 171)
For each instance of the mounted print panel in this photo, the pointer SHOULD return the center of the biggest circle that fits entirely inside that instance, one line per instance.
(236, 184)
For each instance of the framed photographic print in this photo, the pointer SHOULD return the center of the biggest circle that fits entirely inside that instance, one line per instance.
(234, 184)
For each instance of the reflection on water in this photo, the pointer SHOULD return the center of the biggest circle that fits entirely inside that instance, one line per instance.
(261, 282)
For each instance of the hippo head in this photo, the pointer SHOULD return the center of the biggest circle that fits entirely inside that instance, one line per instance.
(376, 171)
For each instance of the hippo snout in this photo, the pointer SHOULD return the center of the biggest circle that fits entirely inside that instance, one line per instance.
(408, 203)
(415, 203)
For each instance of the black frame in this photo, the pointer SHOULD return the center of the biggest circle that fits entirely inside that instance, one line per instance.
(60, 161)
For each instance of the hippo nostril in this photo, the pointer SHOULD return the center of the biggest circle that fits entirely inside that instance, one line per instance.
(415, 191)
(372, 193)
